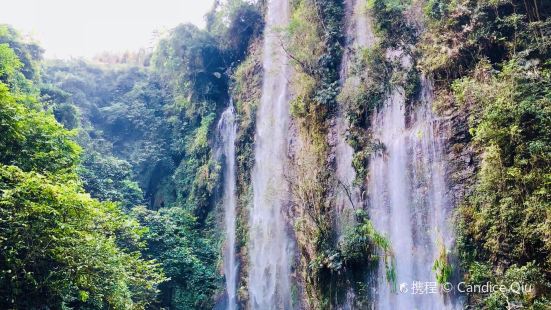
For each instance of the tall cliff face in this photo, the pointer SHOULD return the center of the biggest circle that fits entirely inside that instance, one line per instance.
(328, 177)
(414, 161)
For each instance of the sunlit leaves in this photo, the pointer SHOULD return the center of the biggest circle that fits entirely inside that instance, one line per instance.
(61, 246)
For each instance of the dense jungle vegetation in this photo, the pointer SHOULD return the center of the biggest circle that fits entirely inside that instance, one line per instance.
(491, 60)
(108, 177)
(110, 183)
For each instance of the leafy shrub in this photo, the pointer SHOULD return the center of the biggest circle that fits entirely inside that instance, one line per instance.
(62, 248)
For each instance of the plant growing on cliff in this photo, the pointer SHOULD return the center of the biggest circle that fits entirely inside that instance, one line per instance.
(506, 212)
(495, 56)
(362, 94)
(363, 243)
(442, 266)
(313, 43)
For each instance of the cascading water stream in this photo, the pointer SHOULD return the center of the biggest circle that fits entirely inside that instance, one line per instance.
(270, 247)
(408, 200)
(227, 129)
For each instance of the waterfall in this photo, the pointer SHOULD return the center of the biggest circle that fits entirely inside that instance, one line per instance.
(270, 246)
(227, 129)
(406, 186)
(408, 200)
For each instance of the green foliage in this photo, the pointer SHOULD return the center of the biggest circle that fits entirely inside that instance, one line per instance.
(18, 64)
(362, 243)
(359, 240)
(10, 63)
(191, 62)
(521, 284)
(462, 32)
(314, 38)
(63, 249)
(60, 248)
(188, 257)
(237, 24)
(355, 256)
(246, 92)
(247, 88)
(110, 179)
(199, 173)
(67, 115)
(392, 27)
(374, 72)
(28, 53)
(506, 220)
(495, 54)
(139, 144)
(150, 131)
(361, 96)
(313, 41)
(88, 86)
(491, 57)
(442, 266)
(122, 116)
(33, 140)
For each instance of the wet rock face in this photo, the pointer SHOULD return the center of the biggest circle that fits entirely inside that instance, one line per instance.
(461, 155)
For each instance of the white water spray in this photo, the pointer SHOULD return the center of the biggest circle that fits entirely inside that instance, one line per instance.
(270, 246)
(408, 200)
(227, 129)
